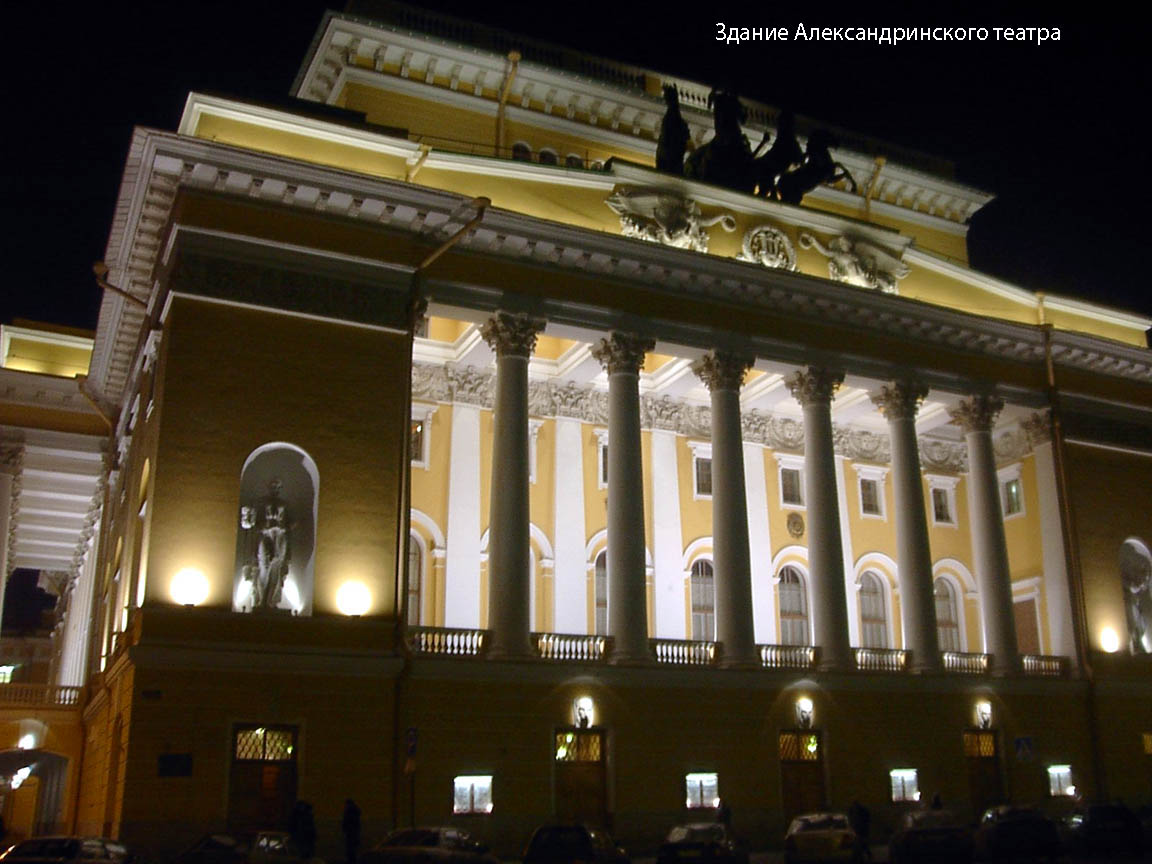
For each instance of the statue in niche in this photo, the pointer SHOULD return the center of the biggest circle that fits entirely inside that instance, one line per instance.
(662, 216)
(726, 160)
(816, 168)
(1136, 577)
(858, 262)
(673, 135)
(784, 155)
(267, 524)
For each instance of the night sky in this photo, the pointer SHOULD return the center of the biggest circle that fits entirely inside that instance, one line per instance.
(1054, 130)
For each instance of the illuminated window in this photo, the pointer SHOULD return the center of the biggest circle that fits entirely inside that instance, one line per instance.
(947, 620)
(873, 615)
(576, 746)
(703, 791)
(980, 745)
(1060, 783)
(1011, 491)
(472, 793)
(905, 785)
(799, 747)
(548, 156)
(6, 674)
(265, 744)
(1147, 743)
(942, 491)
(793, 598)
(703, 600)
(601, 594)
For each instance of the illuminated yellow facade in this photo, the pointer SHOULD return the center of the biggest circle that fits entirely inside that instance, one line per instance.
(558, 519)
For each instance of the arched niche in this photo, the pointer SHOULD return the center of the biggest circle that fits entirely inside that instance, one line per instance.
(1136, 579)
(276, 531)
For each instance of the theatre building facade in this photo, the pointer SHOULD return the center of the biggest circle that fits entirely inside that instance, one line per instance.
(460, 462)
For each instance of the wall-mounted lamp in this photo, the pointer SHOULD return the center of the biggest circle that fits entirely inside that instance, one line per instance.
(1109, 640)
(189, 587)
(984, 714)
(583, 712)
(804, 712)
(353, 598)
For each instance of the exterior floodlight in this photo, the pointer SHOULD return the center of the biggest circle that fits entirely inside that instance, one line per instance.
(353, 598)
(804, 712)
(1109, 640)
(189, 587)
(984, 715)
(584, 712)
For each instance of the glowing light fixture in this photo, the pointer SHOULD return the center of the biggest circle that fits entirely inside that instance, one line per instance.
(1110, 640)
(984, 715)
(189, 587)
(804, 712)
(353, 598)
(583, 712)
(27, 742)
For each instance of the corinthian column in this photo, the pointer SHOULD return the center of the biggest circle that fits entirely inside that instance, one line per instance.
(723, 374)
(989, 547)
(899, 402)
(622, 355)
(512, 337)
(813, 389)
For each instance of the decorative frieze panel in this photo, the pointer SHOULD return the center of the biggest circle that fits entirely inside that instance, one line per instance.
(948, 457)
(769, 247)
(665, 217)
(858, 262)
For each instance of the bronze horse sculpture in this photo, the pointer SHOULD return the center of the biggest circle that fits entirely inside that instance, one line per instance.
(726, 160)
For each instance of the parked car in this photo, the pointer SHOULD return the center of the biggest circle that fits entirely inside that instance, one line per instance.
(701, 841)
(930, 836)
(46, 850)
(566, 844)
(1008, 832)
(1103, 829)
(438, 845)
(821, 837)
(258, 847)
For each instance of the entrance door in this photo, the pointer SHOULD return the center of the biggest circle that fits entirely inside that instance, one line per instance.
(262, 783)
(1027, 626)
(982, 753)
(801, 773)
(581, 776)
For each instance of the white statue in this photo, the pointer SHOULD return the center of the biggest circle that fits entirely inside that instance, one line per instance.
(269, 521)
(858, 262)
(660, 216)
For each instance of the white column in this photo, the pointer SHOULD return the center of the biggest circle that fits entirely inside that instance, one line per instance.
(851, 595)
(5, 514)
(813, 389)
(571, 574)
(989, 546)
(724, 375)
(667, 538)
(899, 402)
(512, 337)
(1057, 596)
(74, 653)
(759, 546)
(462, 556)
(622, 355)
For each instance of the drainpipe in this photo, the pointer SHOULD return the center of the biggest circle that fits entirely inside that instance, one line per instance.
(416, 306)
(505, 91)
(1072, 556)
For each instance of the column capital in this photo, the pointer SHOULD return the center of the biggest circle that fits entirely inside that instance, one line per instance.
(816, 384)
(720, 370)
(512, 333)
(622, 352)
(976, 413)
(900, 400)
(1038, 427)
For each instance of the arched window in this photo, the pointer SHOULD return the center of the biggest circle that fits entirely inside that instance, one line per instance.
(276, 536)
(548, 157)
(793, 608)
(572, 160)
(521, 152)
(873, 617)
(703, 600)
(415, 580)
(947, 619)
(601, 589)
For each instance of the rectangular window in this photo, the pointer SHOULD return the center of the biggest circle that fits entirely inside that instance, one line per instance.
(1060, 781)
(602, 458)
(799, 747)
(472, 793)
(573, 746)
(870, 497)
(941, 507)
(703, 791)
(905, 784)
(703, 477)
(980, 745)
(791, 488)
(1147, 743)
(265, 744)
(6, 674)
(1013, 501)
(416, 441)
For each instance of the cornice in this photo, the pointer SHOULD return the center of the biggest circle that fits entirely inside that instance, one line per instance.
(166, 163)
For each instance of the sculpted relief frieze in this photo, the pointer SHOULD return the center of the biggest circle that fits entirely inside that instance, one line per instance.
(665, 217)
(858, 262)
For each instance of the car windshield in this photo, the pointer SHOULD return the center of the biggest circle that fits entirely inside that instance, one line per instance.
(413, 837)
(703, 833)
(47, 847)
(821, 822)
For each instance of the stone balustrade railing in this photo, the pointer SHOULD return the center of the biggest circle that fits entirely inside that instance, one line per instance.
(39, 695)
(881, 659)
(787, 656)
(684, 652)
(451, 641)
(965, 662)
(1045, 665)
(571, 646)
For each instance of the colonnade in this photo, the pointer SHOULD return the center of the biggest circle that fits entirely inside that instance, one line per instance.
(512, 336)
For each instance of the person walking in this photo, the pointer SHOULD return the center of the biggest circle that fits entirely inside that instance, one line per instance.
(350, 825)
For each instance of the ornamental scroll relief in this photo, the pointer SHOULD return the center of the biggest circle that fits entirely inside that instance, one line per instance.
(665, 217)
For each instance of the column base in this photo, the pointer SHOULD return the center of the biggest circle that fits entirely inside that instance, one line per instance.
(497, 651)
(632, 659)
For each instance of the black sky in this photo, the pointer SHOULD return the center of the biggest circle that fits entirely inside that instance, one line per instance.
(1056, 130)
